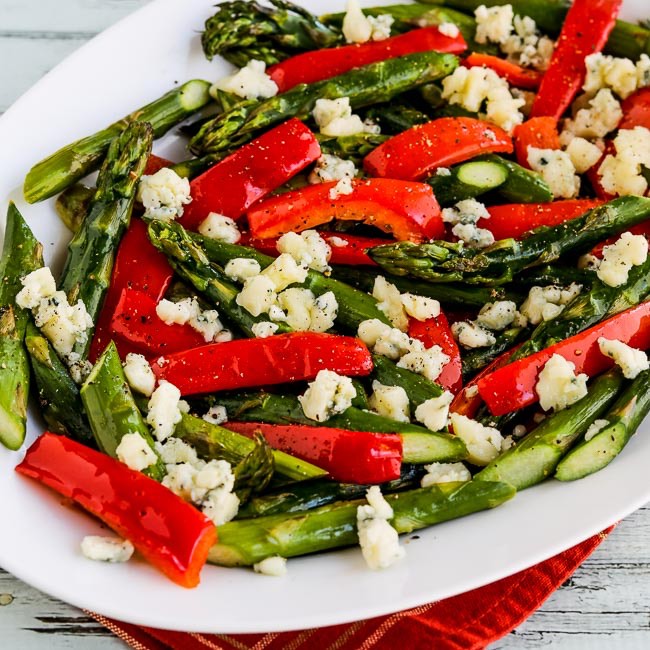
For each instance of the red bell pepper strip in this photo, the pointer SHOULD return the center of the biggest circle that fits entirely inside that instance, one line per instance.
(513, 387)
(136, 323)
(636, 110)
(171, 534)
(408, 211)
(155, 164)
(436, 331)
(138, 266)
(420, 150)
(538, 132)
(586, 29)
(317, 65)
(232, 185)
(514, 74)
(517, 219)
(245, 363)
(352, 252)
(348, 456)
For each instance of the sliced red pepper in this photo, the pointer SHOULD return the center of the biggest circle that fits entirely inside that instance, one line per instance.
(171, 534)
(348, 456)
(513, 387)
(352, 252)
(636, 110)
(139, 266)
(317, 65)
(639, 229)
(232, 185)
(262, 362)
(538, 132)
(514, 74)
(408, 211)
(586, 29)
(136, 323)
(420, 150)
(517, 219)
(436, 331)
(155, 164)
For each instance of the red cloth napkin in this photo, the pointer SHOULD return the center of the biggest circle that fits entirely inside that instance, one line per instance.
(467, 622)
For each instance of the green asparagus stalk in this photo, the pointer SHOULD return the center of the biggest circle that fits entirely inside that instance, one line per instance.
(241, 31)
(21, 254)
(475, 360)
(212, 441)
(396, 117)
(419, 445)
(622, 421)
(560, 274)
(254, 472)
(521, 185)
(248, 541)
(351, 147)
(189, 260)
(72, 205)
(354, 306)
(307, 495)
(76, 160)
(91, 253)
(366, 85)
(535, 458)
(112, 410)
(500, 263)
(58, 394)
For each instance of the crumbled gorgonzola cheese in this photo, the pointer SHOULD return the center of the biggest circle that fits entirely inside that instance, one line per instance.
(330, 168)
(584, 154)
(176, 313)
(557, 170)
(434, 412)
(297, 304)
(390, 401)
(558, 386)
(601, 115)
(264, 330)
(429, 363)
(134, 451)
(631, 361)
(595, 428)
(249, 82)
(216, 415)
(106, 549)
(164, 194)
(285, 271)
(342, 188)
(622, 174)
(37, 285)
(258, 295)
(188, 311)
(493, 24)
(527, 46)
(498, 315)
(324, 312)
(385, 340)
(449, 29)
(139, 374)
(308, 248)
(218, 226)
(379, 541)
(547, 303)
(334, 118)
(471, 335)
(420, 307)
(618, 258)
(240, 269)
(445, 473)
(164, 413)
(389, 301)
(468, 211)
(271, 566)
(605, 71)
(483, 443)
(473, 236)
(175, 451)
(358, 28)
(329, 394)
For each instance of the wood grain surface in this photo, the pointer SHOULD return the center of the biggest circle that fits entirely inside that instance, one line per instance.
(604, 606)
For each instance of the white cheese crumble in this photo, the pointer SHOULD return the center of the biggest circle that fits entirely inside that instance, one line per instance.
(420, 307)
(473, 236)
(164, 413)
(37, 285)
(478, 87)
(249, 82)
(329, 394)
(601, 115)
(379, 541)
(468, 211)
(176, 313)
(618, 258)
(622, 174)
(434, 412)
(558, 386)
(385, 340)
(483, 443)
(106, 549)
(164, 194)
(218, 226)
(271, 566)
(493, 24)
(631, 361)
(135, 452)
(216, 415)
(342, 188)
(258, 295)
(595, 428)
(498, 315)
(330, 168)
(305, 312)
(264, 330)
(445, 473)
(472, 335)
(188, 311)
(527, 47)
(448, 29)
(359, 28)
(337, 242)
(557, 170)
(324, 312)
(390, 401)
(139, 374)
(389, 301)
(284, 271)
(623, 76)
(240, 269)
(175, 451)
(429, 363)
(547, 303)
(334, 118)
(584, 154)
(308, 248)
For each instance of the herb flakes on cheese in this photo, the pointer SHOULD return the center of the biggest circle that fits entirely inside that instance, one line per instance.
(558, 386)
(390, 401)
(329, 394)
(631, 361)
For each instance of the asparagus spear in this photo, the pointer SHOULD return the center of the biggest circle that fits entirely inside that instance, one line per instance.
(212, 441)
(72, 205)
(21, 254)
(91, 253)
(521, 185)
(248, 541)
(112, 410)
(58, 394)
(623, 419)
(190, 262)
(370, 84)
(475, 360)
(535, 458)
(76, 160)
(563, 275)
(354, 306)
(351, 147)
(241, 31)
(307, 495)
(396, 117)
(419, 445)
(441, 261)
(254, 472)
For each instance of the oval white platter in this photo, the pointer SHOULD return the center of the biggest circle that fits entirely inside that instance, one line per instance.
(127, 66)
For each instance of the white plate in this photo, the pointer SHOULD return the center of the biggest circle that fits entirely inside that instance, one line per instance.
(126, 66)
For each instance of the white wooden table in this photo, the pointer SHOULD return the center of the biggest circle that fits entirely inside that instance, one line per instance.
(605, 605)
